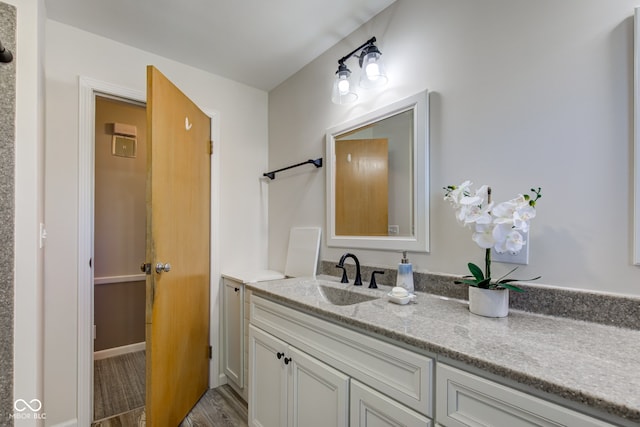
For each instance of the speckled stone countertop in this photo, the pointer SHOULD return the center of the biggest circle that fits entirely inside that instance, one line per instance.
(589, 363)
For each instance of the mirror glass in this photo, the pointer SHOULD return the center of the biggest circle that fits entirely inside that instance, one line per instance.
(377, 179)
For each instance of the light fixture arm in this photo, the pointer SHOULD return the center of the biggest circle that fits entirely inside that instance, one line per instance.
(369, 42)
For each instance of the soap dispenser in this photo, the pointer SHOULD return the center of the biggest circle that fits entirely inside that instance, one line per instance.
(405, 274)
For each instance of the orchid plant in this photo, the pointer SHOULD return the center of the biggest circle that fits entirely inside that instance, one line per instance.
(495, 226)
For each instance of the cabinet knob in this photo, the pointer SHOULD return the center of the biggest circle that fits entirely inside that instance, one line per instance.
(287, 360)
(236, 289)
(279, 355)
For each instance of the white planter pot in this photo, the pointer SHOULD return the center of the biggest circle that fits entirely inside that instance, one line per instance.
(489, 302)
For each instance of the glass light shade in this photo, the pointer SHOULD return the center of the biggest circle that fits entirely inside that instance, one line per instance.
(373, 73)
(342, 88)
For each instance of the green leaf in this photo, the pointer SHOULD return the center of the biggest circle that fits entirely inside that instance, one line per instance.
(518, 280)
(502, 278)
(467, 282)
(476, 271)
(511, 287)
(485, 284)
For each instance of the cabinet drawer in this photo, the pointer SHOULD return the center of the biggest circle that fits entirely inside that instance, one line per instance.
(394, 371)
(464, 399)
(370, 408)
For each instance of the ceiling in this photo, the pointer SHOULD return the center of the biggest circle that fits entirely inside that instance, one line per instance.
(257, 42)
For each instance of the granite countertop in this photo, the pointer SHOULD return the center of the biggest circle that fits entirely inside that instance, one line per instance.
(589, 363)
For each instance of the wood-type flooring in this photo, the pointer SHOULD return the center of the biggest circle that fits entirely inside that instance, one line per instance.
(119, 388)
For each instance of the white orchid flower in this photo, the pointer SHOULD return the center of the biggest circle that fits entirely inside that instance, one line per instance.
(514, 242)
(503, 212)
(522, 216)
(456, 195)
(478, 214)
(483, 193)
(461, 214)
(507, 239)
(484, 236)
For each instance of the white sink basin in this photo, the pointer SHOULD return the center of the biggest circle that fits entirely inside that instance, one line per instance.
(337, 296)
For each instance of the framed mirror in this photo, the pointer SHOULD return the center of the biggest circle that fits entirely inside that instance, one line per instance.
(377, 179)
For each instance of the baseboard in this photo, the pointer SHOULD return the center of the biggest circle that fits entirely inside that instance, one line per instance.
(119, 279)
(222, 380)
(68, 423)
(117, 351)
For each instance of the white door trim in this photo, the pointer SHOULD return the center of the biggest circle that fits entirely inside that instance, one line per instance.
(88, 89)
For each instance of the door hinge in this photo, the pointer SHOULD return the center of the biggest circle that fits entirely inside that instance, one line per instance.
(211, 147)
(210, 352)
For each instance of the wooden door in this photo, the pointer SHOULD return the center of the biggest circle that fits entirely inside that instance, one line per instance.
(362, 186)
(178, 221)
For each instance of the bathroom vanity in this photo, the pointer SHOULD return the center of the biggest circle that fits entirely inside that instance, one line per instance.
(318, 356)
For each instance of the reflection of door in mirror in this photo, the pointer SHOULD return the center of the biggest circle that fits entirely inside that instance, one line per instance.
(362, 169)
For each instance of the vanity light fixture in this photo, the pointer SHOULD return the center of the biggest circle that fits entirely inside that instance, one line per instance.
(372, 75)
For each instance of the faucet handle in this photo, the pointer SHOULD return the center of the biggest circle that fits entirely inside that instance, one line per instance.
(344, 279)
(372, 283)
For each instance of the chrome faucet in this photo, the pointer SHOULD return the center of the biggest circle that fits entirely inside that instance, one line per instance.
(345, 279)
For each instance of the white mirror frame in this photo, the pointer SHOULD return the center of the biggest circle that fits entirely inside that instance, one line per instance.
(636, 137)
(419, 242)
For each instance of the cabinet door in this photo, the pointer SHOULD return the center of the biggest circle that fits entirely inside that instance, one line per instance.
(370, 408)
(318, 394)
(267, 380)
(233, 294)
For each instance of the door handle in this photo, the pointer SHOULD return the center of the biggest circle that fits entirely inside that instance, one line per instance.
(160, 267)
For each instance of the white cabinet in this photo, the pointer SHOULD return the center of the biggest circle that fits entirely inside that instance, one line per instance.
(405, 376)
(290, 388)
(233, 331)
(390, 386)
(369, 408)
(464, 399)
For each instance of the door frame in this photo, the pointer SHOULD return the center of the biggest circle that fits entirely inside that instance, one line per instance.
(88, 89)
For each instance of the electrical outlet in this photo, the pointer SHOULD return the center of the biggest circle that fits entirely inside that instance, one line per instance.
(521, 257)
(394, 230)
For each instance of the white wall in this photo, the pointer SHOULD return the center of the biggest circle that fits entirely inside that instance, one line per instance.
(242, 149)
(523, 94)
(28, 328)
